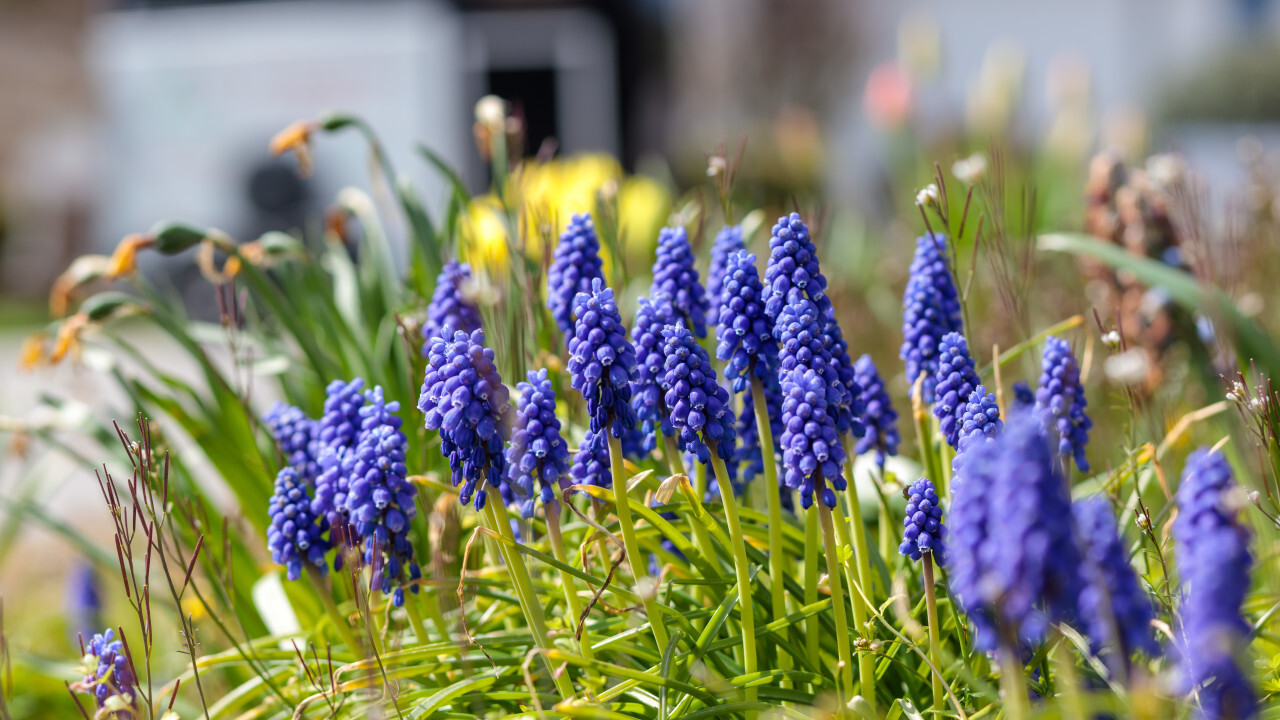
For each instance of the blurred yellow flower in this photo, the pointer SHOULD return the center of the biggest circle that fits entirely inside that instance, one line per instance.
(192, 606)
(549, 193)
(68, 339)
(34, 351)
(124, 261)
(643, 207)
(485, 235)
(296, 138)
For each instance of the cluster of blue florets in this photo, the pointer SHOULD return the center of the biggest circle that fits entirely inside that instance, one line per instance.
(699, 407)
(574, 265)
(930, 310)
(675, 275)
(464, 399)
(1061, 403)
(653, 315)
(450, 307)
(296, 535)
(537, 450)
(602, 362)
(591, 462)
(729, 241)
(296, 436)
(954, 382)
(923, 531)
(1115, 608)
(109, 677)
(744, 336)
(879, 418)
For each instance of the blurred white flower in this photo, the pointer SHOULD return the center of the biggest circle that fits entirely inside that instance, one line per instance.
(928, 195)
(1129, 367)
(1111, 339)
(971, 169)
(491, 111)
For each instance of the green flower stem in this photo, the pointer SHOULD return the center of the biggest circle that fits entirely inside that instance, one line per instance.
(340, 623)
(415, 620)
(866, 663)
(777, 569)
(740, 567)
(1013, 684)
(622, 505)
(935, 642)
(844, 671)
(862, 553)
(812, 627)
(496, 512)
(675, 463)
(572, 602)
(700, 479)
(1068, 680)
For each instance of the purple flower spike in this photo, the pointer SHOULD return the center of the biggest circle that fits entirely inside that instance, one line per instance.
(109, 678)
(450, 307)
(930, 310)
(674, 274)
(574, 265)
(727, 244)
(591, 462)
(811, 394)
(296, 535)
(954, 383)
(296, 436)
(878, 416)
(464, 399)
(699, 406)
(537, 450)
(646, 391)
(381, 502)
(923, 531)
(1115, 608)
(793, 265)
(1214, 563)
(980, 420)
(602, 362)
(744, 336)
(1060, 401)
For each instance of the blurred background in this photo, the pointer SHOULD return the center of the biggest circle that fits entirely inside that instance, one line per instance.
(117, 115)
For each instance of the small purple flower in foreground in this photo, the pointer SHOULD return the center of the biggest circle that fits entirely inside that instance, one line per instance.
(108, 676)
(574, 265)
(296, 535)
(602, 362)
(1112, 599)
(674, 274)
(337, 434)
(930, 309)
(464, 399)
(1060, 401)
(537, 450)
(450, 307)
(980, 419)
(954, 382)
(1022, 568)
(812, 455)
(296, 436)
(923, 531)
(1214, 563)
(727, 244)
(878, 416)
(744, 336)
(646, 393)
(793, 265)
(699, 407)
(591, 462)
(381, 501)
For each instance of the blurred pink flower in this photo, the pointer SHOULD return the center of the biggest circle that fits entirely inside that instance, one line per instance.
(888, 97)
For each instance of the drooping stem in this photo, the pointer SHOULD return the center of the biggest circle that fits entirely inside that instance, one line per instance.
(331, 609)
(844, 670)
(496, 513)
(935, 642)
(567, 582)
(777, 569)
(622, 505)
(741, 570)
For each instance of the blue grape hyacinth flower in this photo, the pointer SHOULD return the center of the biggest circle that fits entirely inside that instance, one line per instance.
(646, 391)
(1116, 610)
(1015, 562)
(1061, 403)
(109, 677)
(849, 410)
(812, 454)
(923, 531)
(591, 465)
(602, 362)
(381, 501)
(464, 399)
(1214, 563)
(675, 275)
(744, 335)
(296, 536)
(537, 449)
(930, 310)
(296, 435)
(980, 420)
(574, 265)
(700, 410)
(450, 307)
(954, 382)
(793, 265)
(336, 436)
(878, 416)
(728, 242)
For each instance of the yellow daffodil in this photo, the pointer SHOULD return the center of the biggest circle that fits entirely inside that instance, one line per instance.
(34, 351)
(68, 339)
(486, 236)
(124, 261)
(296, 138)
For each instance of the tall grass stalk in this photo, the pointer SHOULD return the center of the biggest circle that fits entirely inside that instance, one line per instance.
(777, 562)
(741, 570)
